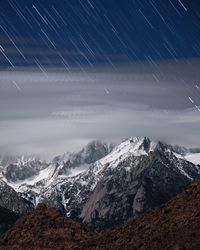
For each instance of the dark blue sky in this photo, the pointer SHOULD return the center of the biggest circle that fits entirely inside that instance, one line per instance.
(86, 32)
(47, 111)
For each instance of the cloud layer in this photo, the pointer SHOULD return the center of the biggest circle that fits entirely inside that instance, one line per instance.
(51, 112)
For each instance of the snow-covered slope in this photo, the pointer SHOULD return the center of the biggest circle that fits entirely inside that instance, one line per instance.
(194, 158)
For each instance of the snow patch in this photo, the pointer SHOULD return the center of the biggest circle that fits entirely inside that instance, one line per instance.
(194, 158)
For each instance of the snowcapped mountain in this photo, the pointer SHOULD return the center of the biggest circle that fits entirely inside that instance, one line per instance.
(29, 176)
(137, 176)
(104, 186)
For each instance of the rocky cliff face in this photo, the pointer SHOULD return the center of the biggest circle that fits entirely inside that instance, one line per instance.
(173, 226)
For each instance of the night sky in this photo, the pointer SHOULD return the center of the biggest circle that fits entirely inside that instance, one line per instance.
(87, 32)
(75, 71)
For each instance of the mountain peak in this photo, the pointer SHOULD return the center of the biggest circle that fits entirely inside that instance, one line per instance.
(133, 146)
(137, 145)
(89, 154)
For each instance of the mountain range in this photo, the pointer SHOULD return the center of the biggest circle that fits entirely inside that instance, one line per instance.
(101, 185)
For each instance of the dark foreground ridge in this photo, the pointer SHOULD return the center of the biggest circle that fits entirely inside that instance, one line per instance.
(176, 225)
(46, 228)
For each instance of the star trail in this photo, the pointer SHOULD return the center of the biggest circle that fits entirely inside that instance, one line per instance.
(78, 33)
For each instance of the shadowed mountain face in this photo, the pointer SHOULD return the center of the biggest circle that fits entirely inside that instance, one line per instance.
(173, 226)
(12, 200)
(7, 219)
